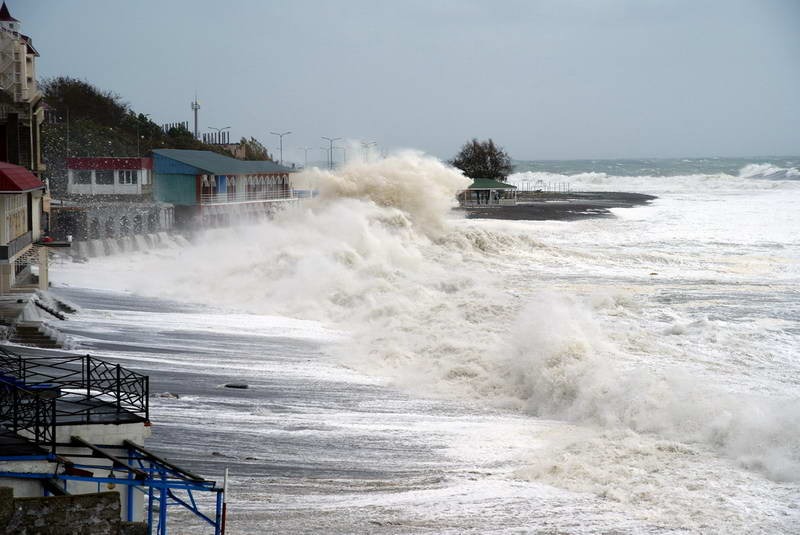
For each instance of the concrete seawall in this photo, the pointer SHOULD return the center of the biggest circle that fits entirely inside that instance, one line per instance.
(97, 513)
(127, 244)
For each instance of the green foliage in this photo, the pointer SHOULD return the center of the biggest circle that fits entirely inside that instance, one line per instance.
(483, 159)
(254, 149)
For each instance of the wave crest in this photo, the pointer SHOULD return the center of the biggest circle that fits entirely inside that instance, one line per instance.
(767, 170)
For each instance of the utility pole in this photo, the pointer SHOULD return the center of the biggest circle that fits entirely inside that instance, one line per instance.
(195, 108)
(305, 155)
(280, 135)
(330, 154)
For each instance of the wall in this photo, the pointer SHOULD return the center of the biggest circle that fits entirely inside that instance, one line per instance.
(109, 434)
(97, 514)
(175, 188)
(105, 220)
(117, 188)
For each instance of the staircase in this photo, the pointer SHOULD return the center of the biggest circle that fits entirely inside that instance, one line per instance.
(29, 334)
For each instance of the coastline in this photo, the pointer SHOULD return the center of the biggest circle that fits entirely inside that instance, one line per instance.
(560, 206)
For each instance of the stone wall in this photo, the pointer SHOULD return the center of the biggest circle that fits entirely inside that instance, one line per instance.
(96, 514)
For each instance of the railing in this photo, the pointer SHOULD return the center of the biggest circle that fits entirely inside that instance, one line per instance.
(540, 186)
(15, 246)
(28, 412)
(83, 389)
(245, 196)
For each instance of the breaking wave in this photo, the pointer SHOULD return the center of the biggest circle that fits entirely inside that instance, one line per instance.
(748, 178)
(766, 170)
(454, 308)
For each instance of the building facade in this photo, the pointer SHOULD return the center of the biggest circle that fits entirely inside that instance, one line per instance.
(109, 176)
(108, 198)
(485, 192)
(21, 106)
(21, 196)
(209, 189)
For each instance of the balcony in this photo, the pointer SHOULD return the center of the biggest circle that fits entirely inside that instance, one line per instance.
(37, 394)
(245, 197)
(15, 246)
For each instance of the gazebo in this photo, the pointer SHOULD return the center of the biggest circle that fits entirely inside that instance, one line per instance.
(488, 192)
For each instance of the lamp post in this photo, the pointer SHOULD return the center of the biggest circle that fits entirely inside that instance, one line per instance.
(280, 135)
(219, 131)
(305, 155)
(330, 154)
(367, 145)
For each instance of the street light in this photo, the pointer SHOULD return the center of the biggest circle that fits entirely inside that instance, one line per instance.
(280, 135)
(367, 145)
(330, 154)
(219, 131)
(305, 155)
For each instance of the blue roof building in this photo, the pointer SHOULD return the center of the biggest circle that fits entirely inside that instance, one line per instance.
(208, 189)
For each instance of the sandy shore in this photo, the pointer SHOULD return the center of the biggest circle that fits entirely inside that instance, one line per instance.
(561, 206)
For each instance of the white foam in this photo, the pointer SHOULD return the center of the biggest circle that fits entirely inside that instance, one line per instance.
(628, 325)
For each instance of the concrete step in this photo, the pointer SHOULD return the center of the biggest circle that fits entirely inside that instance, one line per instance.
(42, 344)
(29, 334)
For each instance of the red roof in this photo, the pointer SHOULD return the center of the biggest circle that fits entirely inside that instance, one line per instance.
(16, 179)
(109, 163)
(5, 16)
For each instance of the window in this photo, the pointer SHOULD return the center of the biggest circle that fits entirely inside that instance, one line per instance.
(16, 215)
(128, 176)
(104, 178)
(82, 177)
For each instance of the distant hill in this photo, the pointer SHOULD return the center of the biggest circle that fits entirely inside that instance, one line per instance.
(83, 120)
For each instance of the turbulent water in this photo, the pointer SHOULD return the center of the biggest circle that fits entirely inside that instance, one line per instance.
(412, 371)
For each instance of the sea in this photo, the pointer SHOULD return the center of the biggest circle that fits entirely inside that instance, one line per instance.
(412, 371)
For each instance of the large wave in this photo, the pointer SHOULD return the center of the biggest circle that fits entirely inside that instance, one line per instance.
(439, 305)
(763, 176)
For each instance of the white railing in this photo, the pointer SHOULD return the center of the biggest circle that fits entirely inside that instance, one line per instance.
(245, 196)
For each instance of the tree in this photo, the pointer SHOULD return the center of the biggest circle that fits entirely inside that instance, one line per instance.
(483, 159)
(254, 149)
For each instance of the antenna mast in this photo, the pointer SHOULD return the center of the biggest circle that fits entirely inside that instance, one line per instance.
(195, 107)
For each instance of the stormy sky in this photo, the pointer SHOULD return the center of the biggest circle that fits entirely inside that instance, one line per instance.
(545, 79)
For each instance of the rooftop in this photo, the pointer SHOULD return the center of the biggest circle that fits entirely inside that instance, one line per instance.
(109, 163)
(488, 183)
(5, 16)
(218, 164)
(17, 179)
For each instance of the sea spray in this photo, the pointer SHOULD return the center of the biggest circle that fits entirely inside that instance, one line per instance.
(561, 365)
(421, 186)
(462, 309)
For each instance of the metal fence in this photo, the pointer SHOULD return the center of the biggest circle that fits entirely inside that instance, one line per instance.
(38, 393)
(244, 196)
(540, 186)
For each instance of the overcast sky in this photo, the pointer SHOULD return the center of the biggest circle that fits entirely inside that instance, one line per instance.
(544, 79)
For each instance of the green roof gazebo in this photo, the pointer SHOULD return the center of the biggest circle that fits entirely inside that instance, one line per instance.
(486, 192)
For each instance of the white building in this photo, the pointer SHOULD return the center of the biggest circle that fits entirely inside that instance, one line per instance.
(109, 176)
